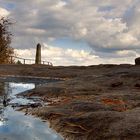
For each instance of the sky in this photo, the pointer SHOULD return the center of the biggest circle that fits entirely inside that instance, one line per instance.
(75, 32)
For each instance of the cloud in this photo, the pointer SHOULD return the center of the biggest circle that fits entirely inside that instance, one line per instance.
(107, 26)
(59, 56)
(4, 12)
(128, 39)
(126, 53)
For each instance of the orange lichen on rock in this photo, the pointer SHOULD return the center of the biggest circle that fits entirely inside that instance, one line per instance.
(108, 101)
(118, 105)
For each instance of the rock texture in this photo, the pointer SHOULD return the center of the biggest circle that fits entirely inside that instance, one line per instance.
(92, 103)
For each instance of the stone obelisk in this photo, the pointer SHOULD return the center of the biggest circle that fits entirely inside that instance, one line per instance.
(38, 54)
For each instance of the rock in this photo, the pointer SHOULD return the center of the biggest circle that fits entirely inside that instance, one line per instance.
(34, 105)
(137, 61)
(137, 85)
(117, 84)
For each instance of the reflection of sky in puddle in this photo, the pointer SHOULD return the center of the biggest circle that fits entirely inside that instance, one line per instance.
(15, 125)
(16, 88)
(21, 127)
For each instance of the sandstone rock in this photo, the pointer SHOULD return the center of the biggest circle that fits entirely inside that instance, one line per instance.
(137, 61)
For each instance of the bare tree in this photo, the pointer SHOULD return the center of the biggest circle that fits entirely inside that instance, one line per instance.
(5, 40)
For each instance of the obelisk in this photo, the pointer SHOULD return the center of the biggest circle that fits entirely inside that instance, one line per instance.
(38, 54)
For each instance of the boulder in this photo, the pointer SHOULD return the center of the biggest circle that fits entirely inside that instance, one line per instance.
(137, 61)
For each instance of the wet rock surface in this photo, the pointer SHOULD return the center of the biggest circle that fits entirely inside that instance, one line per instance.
(93, 103)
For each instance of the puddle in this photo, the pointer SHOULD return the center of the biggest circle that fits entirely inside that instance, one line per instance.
(15, 125)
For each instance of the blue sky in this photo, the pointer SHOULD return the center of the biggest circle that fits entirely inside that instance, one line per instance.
(69, 43)
(81, 32)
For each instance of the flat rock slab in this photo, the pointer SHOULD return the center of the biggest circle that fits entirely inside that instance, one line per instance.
(93, 103)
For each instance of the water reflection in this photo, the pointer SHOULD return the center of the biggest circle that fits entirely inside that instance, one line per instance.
(15, 88)
(18, 126)
(15, 125)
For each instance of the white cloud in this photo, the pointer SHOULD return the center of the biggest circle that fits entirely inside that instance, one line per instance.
(126, 53)
(4, 12)
(59, 56)
(59, 5)
(128, 39)
(105, 25)
(35, 31)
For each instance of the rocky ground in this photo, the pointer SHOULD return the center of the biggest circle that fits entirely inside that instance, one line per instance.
(89, 103)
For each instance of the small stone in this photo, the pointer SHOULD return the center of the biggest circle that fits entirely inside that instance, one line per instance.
(137, 61)
(137, 85)
(34, 105)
